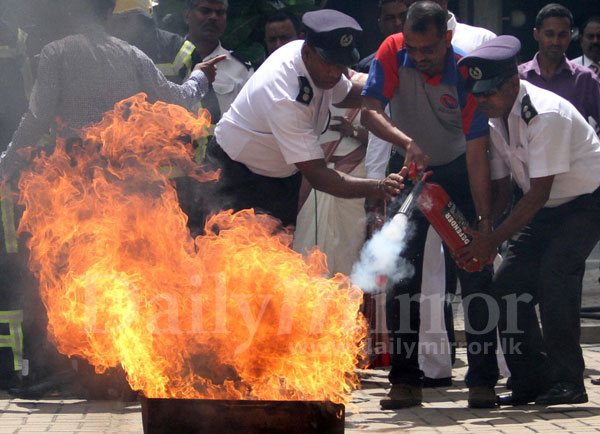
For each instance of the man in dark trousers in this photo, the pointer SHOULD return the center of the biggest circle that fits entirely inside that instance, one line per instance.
(270, 134)
(80, 77)
(541, 142)
(416, 73)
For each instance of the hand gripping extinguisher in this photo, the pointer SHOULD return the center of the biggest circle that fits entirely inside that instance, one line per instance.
(443, 214)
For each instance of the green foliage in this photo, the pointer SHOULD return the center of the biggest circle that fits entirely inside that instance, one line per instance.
(245, 22)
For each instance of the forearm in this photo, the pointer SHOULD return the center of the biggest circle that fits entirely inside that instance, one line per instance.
(197, 83)
(186, 95)
(380, 124)
(29, 133)
(342, 185)
(353, 99)
(479, 177)
(502, 194)
(523, 212)
(375, 119)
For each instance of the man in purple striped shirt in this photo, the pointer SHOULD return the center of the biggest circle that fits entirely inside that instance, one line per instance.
(550, 69)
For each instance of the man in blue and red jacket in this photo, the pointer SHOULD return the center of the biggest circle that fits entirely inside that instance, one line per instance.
(437, 125)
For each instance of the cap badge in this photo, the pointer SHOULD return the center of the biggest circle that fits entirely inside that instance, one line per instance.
(475, 73)
(346, 40)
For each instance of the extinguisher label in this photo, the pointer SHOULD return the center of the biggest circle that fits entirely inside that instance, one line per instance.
(457, 221)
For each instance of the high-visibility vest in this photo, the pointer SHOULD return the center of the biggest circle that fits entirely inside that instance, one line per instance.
(183, 60)
(7, 208)
(14, 338)
(20, 50)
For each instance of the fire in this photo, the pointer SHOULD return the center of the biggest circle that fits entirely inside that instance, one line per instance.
(233, 314)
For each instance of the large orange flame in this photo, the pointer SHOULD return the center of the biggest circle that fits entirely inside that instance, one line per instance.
(234, 314)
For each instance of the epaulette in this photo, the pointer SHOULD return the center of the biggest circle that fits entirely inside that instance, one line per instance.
(305, 95)
(243, 61)
(528, 111)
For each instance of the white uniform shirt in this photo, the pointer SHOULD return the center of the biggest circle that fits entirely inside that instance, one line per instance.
(231, 76)
(465, 38)
(586, 61)
(556, 141)
(266, 128)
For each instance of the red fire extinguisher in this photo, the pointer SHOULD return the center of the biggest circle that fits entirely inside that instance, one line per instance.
(442, 214)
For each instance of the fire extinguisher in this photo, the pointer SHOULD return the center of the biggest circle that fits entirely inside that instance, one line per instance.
(442, 213)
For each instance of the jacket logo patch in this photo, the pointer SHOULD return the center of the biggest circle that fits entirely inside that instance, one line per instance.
(448, 101)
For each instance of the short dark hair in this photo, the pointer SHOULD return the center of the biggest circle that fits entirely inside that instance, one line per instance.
(192, 3)
(553, 10)
(383, 2)
(284, 16)
(421, 15)
(89, 10)
(592, 19)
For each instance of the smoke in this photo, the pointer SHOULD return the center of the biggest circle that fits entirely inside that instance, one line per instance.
(380, 261)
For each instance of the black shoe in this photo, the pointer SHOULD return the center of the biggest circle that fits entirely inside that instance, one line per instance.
(52, 384)
(481, 397)
(596, 381)
(563, 393)
(402, 396)
(429, 383)
(511, 398)
(37, 390)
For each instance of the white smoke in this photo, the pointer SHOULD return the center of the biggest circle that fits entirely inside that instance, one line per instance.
(380, 257)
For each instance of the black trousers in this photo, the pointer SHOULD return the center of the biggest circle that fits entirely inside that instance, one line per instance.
(544, 265)
(239, 188)
(402, 301)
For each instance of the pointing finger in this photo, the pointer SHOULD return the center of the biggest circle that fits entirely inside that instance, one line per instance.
(217, 59)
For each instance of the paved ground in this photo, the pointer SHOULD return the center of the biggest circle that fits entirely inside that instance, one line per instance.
(444, 410)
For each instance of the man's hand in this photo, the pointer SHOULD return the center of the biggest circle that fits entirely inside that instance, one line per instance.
(392, 185)
(344, 127)
(481, 249)
(209, 68)
(414, 153)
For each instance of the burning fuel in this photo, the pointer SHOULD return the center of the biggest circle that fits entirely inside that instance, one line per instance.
(234, 314)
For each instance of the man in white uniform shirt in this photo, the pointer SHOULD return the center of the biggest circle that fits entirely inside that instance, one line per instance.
(271, 131)
(206, 20)
(545, 145)
(590, 44)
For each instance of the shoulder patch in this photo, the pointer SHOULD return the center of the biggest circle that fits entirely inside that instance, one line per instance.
(243, 61)
(305, 95)
(528, 111)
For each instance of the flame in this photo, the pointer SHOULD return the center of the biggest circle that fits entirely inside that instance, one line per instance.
(233, 314)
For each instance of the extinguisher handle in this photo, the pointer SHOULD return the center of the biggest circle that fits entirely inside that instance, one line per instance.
(415, 176)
